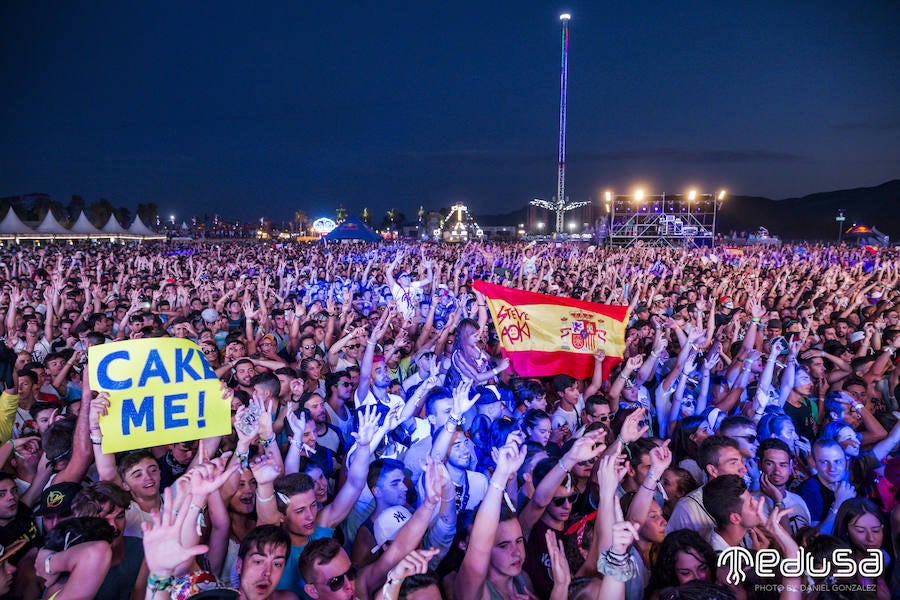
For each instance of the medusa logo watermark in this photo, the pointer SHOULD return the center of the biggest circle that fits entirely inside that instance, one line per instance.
(769, 563)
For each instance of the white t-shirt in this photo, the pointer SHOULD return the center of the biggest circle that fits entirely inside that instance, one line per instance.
(134, 516)
(407, 300)
(569, 418)
(689, 513)
(800, 516)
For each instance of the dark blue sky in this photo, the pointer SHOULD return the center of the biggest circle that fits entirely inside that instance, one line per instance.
(251, 109)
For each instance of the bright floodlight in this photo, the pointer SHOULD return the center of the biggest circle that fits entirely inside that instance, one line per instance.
(565, 17)
(608, 195)
(639, 195)
(540, 225)
(722, 195)
(692, 195)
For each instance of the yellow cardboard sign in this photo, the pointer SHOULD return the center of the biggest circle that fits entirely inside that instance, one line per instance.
(161, 391)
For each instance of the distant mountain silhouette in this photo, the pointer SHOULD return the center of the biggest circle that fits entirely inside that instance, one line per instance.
(811, 217)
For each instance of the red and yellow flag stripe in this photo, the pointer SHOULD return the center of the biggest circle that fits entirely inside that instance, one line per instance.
(549, 335)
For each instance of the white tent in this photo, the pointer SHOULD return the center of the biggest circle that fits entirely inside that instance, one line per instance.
(84, 226)
(51, 225)
(112, 226)
(138, 228)
(13, 225)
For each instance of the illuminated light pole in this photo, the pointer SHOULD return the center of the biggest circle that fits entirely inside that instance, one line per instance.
(559, 205)
(840, 221)
(563, 89)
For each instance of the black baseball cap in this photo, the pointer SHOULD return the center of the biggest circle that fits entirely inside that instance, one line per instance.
(57, 499)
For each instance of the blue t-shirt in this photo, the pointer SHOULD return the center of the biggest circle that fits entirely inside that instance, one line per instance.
(291, 579)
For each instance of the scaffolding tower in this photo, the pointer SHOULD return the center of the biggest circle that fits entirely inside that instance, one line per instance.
(677, 220)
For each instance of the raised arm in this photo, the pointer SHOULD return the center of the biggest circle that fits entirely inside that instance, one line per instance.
(470, 581)
(106, 463)
(660, 459)
(584, 448)
(597, 379)
(409, 537)
(332, 514)
(365, 365)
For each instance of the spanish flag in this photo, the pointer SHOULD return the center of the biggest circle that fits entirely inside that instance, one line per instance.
(550, 335)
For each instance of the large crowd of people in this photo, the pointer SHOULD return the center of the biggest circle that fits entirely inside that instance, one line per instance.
(383, 447)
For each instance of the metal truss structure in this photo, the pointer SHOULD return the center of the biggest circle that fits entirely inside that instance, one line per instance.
(679, 220)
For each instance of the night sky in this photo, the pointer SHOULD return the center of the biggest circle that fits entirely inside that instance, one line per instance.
(258, 109)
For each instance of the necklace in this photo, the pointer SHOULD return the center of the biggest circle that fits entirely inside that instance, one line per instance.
(462, 492)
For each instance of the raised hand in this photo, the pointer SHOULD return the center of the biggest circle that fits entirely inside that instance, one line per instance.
(264, 468)
(632, 430)
(585, 448)
(264, 418)
(510, 459)
(368, 426)
(297, 387)
(757, 310)
(559, 566)
(434, 482)
(660, 458)
(297, 423)
(634, 363)
(99, 407)
(624, 533)
(163, 550)
(246, 426)
(209, 475)
(782, 537)
(778, 346)
(414, 563)
(843, 492)
(461, 401)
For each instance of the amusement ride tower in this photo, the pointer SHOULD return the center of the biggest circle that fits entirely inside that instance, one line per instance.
(559, 205)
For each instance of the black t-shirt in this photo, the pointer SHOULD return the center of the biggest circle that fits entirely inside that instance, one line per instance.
(802, 417)
(22, 527)
(537, 560)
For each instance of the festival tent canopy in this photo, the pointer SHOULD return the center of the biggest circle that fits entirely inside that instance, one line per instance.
(138, 228)
(112, 226)
(12, 224)
(353, 229)
(51, 225)
(83, 226)
(867, 235)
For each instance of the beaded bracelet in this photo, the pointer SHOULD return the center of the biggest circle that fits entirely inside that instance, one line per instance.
(609, 564)
(155, 583)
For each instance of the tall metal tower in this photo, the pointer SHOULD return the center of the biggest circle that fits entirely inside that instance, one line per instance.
(563, 88)
(559, 204)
